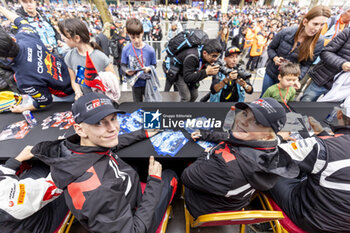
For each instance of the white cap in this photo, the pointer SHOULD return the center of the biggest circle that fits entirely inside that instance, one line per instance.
(345, 107)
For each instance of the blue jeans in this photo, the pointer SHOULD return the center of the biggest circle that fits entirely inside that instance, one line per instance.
(268, 81)
(68, 98)
(313, 92)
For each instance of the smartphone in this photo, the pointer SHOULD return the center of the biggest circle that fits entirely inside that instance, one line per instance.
(283, 60)
(308, 126)
(137, 70)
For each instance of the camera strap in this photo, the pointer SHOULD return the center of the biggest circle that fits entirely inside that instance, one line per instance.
(200, 58)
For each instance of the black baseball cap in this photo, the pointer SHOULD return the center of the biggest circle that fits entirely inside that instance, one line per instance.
(232, 50)
(267, 111)
(93, 107)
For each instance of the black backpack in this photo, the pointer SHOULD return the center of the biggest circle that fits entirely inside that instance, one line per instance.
(190, 38)
(186, 39)
(113, 46)
(116, 44)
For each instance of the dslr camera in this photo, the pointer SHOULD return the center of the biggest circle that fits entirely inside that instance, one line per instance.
(242, 73)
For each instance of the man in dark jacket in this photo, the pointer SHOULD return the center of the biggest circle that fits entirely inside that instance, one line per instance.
(116, 44)
(238, 40)
(197, 65)
(102, 40)
(335, 58)
(320, 201)
(245, 160)
(157, 37)
(101, 190)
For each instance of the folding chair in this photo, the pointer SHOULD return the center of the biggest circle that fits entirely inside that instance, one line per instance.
(168, 214)
(66, 224)
(163, 225)
(241, 217)
(284, 225)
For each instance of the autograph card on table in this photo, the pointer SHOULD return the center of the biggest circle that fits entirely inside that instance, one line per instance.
(130, 122)
(16, 130)
(168, 142)
(61, 120)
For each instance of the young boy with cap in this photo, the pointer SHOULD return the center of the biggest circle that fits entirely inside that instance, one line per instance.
(101, 190)
(245, 160)
(319, 202)
(229, 87)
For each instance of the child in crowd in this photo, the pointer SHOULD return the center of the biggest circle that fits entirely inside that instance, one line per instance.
(137, 59)
(77, 37)
(284, 91)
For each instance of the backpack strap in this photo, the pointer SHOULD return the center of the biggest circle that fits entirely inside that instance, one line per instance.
(200, 56)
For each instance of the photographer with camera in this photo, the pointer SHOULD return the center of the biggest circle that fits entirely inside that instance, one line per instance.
(231, 83)
(196, 66)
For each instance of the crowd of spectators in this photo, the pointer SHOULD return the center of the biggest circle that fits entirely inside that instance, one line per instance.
(58, 54)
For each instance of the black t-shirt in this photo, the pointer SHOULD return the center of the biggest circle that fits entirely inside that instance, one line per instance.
(102, 41)
(228, 94)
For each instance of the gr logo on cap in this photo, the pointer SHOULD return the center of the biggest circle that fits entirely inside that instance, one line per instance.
(267, 111)
(93, 107)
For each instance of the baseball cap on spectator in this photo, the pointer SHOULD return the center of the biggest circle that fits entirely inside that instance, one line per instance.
(345, 107)
(93, 107)
(98, 28)
(267, 112)
(232, 50)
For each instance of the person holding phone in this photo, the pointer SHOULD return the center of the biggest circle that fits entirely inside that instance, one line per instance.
(296, 44)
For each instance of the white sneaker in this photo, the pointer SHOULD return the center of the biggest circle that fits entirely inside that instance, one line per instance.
(124, 86)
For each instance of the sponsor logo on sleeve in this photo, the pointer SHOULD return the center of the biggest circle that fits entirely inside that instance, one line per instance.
(22, 194)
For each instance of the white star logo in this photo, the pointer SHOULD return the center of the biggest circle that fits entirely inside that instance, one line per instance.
(156, 115)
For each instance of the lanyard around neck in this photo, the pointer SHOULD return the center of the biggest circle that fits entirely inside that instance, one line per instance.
(285, 97)
(137, 57)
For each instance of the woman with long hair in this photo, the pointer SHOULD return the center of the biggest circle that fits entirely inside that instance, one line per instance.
(296, 44)
(223, 35)
(77, 37)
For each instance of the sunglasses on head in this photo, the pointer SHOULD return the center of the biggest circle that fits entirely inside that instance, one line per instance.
(234, 50)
